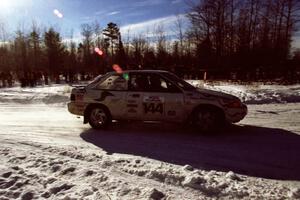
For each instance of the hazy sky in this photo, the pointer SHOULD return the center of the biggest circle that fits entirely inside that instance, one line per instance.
(136, 15)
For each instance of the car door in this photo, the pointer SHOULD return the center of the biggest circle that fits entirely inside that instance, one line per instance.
(111, 92)
(173, 97)
(134, 100)
(149, 101)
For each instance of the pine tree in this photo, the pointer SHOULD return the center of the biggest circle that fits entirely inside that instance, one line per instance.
(112, 32)
(35, 48)
(55, 53)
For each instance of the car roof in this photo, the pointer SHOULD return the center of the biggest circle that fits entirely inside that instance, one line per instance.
(142, 71)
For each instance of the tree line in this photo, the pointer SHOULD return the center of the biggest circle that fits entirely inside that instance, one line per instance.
(225, 39)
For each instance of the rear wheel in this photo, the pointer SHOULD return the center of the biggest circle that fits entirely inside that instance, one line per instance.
(99, 117)
(208, 119)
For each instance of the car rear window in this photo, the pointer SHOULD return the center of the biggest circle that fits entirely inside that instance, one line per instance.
(113, 82)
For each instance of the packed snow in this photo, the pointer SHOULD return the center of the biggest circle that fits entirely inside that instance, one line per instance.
(47, 153)
(53, 94)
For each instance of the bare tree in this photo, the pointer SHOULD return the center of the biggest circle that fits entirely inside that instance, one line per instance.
(139, 44)
(97, 30)
(87, 33)
(21, 53)
(180, 32)
(292, 18)
(160, 35)
(6, 58)
(3, 33)
(127, 42)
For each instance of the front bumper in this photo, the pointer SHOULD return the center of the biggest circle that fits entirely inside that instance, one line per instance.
(76, 108)
(235, 115)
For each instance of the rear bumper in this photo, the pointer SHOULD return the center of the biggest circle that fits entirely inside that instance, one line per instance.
(76, 108)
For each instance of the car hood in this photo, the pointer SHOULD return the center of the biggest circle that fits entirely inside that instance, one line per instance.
(215, 94)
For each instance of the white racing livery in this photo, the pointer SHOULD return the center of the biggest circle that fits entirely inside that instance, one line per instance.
(152, 95)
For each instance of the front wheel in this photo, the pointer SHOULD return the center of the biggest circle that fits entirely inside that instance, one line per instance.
(99, 117)
(208, 119)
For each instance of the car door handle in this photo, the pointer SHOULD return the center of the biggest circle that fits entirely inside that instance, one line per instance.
(135, 95)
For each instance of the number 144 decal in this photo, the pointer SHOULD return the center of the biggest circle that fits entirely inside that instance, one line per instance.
(153, 108)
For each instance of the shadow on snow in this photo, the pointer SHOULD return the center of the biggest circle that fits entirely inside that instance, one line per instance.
(250, 150)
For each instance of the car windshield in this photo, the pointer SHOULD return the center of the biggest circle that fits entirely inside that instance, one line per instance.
(179, 82)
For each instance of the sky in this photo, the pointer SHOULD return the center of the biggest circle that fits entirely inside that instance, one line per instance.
(67, 15)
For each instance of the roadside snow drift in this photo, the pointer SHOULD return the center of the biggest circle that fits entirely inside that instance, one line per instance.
(71, 173)
(256, 93)
(250, 94)
(55, 94)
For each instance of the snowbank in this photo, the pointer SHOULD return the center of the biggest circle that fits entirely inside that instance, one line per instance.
(250, 94)
(54, 94)
(74, 173)
(256, 93)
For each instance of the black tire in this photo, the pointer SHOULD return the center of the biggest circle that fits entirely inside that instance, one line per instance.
(207, 119)
(99, 117)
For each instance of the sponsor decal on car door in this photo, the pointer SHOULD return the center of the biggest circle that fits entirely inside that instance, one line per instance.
(134, 105)
(153, 106)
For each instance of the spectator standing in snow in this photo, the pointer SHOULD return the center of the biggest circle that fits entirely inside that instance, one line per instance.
(9, 79)
(1, 75)
(46, 78)
(3, 79)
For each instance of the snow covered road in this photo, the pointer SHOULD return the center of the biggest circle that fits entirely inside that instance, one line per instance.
(267, 138)
(48, 153)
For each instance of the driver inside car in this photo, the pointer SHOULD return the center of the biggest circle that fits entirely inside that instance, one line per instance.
(156, 84)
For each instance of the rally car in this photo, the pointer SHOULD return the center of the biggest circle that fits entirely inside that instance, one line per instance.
(153, 95)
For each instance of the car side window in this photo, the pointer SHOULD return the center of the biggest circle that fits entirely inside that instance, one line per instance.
(139, 82)
(151, 83)
(159, 84)
(113, 82)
